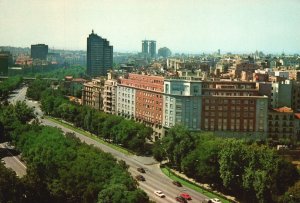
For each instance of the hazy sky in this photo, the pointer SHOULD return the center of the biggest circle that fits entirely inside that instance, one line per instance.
(191, 26)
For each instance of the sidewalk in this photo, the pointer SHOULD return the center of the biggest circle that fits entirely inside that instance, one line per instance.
(206, 186)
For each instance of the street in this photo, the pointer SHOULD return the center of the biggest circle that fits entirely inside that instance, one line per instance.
(155, 179)
(11, 160)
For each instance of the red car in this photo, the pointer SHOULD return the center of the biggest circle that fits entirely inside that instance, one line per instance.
(186, 196)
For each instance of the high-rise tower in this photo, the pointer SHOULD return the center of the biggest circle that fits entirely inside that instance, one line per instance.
(152, 48)
(39, 51)
(5, 62)
(145, 47)
(99, 55)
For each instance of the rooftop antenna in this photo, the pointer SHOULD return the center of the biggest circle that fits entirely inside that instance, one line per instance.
(92, 31)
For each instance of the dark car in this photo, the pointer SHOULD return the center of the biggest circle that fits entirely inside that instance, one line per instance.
(141, 170)
(140, 178)
(178, 184)
(180, 199)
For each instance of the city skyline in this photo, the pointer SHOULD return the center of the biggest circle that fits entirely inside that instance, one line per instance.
(183, 26)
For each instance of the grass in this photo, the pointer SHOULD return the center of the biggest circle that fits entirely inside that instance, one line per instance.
(193, 186)
(92, 136)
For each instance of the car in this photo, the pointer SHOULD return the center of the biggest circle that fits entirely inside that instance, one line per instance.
(186, 196)
(140, 178)
(178, 184)
(159, 193)
(215, 200)
(141, 170)
(180, 199)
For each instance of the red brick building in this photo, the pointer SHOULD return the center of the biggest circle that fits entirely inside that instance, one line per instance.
(233, 106)
(148, 96)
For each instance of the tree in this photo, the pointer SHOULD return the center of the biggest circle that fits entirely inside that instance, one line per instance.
(10, 186)
(202, 163)
(232, 162)
(292, 195)
(164, 52)
(177, 144)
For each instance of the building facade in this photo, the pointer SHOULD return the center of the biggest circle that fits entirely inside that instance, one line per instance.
(145, 47)
(92, 93)
(233, 106)
(152, 49)
(283, 124)
(5, 62)
(110, 96)
(281, 94)
(99, 55)
(141, 97)
(224, 107)
(182, 102)
(39, 51)
(296, 96)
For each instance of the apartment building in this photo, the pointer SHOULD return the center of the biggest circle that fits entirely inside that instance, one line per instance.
(225, 107)
(92, 93)
(221, 106)
(243, 66)
(110, 96)
(283, 124)
(141, 97)
(233, 106)
(281, 94)
(296, 96)
(182, 102)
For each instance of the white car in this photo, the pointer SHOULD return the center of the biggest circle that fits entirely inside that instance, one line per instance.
(159, 193)
(215, 200)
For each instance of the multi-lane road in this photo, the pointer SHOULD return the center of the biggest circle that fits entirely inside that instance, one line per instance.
(155, 179)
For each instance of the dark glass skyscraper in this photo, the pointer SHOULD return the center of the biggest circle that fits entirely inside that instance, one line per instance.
(5, 62)
(99, 55)
(39, 51)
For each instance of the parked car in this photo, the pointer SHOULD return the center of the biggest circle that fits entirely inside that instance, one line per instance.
(140, 178)
(186, 196)
(180, 199)
(141, 170)
(178, 184)
(159, 193)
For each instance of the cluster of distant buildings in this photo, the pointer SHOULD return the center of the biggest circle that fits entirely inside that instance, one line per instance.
(228, 95)
(257, 95)
(21, 60)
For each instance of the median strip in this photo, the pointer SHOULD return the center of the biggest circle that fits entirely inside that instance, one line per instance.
(168, 172)
(92, 136)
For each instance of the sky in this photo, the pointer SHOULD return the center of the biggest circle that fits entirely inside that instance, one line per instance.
(184, 26)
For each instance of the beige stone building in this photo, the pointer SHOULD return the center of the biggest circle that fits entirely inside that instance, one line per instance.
(92, 93)
(110, 95)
